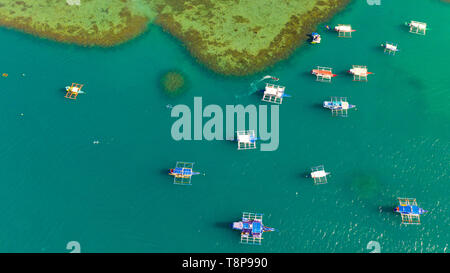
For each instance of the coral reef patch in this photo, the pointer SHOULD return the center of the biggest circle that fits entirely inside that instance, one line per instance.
(231, 37)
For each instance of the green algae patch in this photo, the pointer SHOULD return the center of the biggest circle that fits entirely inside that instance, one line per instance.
(92, 23)
(366, 186)
(231, 37)
(173, 83)
(240, 37)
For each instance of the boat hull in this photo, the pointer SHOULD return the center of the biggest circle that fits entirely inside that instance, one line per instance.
(332, 106)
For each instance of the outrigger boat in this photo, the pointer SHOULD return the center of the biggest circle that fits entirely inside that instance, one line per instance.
(339, 106)
(315, 38)
(183, 173)
(246, 139)
(251, 228)
(73, 91)
(417, 27)
(344, 31)
(390, 48)
(409, 210)
(274, 93)
(319, 175)
(359, 72)
(323, 74)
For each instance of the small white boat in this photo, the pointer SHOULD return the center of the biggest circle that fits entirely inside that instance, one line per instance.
(315, 38)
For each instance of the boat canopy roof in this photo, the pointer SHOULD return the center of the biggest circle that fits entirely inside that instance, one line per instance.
(391, 47)
(246, 225)
(409, 209)
(274, 90)
(317, 174)
(244, 138)
(322, 72)
(257, 227)
(344, 28)
(338, 104)
(419, 25)
(359, 70)
(184, 171)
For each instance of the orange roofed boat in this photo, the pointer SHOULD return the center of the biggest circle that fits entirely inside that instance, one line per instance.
(73, 91)
(323, 74)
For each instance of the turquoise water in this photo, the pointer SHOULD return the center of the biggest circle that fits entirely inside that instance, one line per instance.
(57, 186)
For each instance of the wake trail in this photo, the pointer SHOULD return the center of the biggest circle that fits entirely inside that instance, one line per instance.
(254, 86)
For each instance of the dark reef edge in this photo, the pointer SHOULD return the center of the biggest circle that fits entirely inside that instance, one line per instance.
(290, 38)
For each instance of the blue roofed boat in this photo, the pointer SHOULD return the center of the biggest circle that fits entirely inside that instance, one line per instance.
(315, 38)
(182, 173)
(338, 106)
(409, 210)
(251, 228)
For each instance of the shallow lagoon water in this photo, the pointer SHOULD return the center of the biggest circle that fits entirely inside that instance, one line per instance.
(115, 196)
